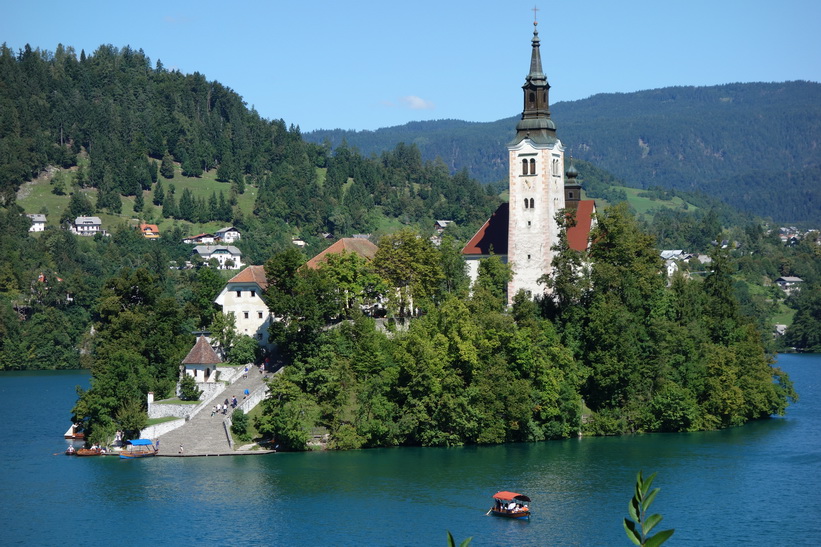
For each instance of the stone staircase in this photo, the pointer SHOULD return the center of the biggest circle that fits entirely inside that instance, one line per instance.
(207, 435)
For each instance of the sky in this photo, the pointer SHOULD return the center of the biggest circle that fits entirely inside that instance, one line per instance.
(365, 64)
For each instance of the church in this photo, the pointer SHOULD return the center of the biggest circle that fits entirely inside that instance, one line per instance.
(523, 231)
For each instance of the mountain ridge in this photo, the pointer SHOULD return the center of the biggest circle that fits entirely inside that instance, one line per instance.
(693, 138)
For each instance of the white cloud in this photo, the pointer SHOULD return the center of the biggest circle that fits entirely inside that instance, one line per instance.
(416, 103)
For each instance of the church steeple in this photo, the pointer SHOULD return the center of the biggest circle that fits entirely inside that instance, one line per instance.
(536, 124)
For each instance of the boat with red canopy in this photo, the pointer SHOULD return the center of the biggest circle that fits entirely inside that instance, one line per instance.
(510, 505)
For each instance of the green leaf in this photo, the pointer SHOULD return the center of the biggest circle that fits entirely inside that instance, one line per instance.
(633, 509)
(659, 538)
(649, 499)
(466, 542)
(632, 534)
(646, 484)
(451, 542)
(649, 523)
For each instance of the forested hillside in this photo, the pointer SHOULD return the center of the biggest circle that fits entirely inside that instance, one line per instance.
(755, 146)
(114, 126)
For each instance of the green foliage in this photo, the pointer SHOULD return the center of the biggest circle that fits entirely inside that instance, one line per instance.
(239, 424)
(188, 388)
(452, 542)
(640, 524)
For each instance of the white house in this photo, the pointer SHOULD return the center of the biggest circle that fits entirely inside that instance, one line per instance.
(229, 234)
(200, 239)
(228, 256)
(87, 226)
(242, 296)
(789, 283)
(38, 222)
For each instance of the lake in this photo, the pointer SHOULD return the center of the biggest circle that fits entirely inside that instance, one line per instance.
(755, 485)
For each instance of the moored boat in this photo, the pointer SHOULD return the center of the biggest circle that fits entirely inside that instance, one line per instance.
(70, 451)
(90, 452)
(138, 448)
(510, 505)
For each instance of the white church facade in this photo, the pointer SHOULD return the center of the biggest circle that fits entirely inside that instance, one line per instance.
(523, 231)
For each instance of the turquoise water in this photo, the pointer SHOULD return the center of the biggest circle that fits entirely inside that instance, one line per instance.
(755, 485)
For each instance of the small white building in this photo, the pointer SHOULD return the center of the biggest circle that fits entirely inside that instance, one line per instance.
(229, 234)
(228, 256)
(87, 226)
(201, 362)
(38, 222)
(242, 296)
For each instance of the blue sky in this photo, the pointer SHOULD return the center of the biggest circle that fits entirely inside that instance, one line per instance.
(367, 64)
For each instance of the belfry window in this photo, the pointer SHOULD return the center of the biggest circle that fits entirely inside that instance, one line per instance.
(525, 203)
(532, 203)
(524, 167)
(570, 195)
(531, 98)
(532, 166)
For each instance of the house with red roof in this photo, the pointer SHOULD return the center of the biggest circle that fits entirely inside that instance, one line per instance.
(357, 245)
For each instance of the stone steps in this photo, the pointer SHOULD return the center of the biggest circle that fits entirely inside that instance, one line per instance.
(205, 434)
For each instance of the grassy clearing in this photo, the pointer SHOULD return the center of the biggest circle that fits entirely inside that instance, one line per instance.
(36, 197)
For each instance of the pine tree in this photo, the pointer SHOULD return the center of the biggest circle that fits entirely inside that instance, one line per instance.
(167, 167)
(139, 202)
(159, 194)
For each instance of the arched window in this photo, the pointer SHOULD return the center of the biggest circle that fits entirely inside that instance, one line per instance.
(570, 195)
(524, 167)
(531, 203)
(532, 166)
(531, 97)
(525, 203)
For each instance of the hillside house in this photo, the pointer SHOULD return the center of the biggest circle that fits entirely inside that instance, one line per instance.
(789, 283)
(87, 226)
(150, 231)
(228, 257)
(229, 234)
(200, 239)
(38, 222)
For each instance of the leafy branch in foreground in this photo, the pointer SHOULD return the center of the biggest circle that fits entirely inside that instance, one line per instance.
(639, 528)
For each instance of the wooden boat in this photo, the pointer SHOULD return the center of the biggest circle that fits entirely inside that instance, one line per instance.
(510, 505)
(70, 451)
(90, 452)
(138, 448)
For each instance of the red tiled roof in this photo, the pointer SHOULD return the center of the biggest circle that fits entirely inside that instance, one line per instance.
(251, 274)
(202, 354)
(362, 247)
(150, 227)
(579, 235)
(491, 236)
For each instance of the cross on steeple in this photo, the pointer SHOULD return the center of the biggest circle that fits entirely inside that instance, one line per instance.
(535, 9)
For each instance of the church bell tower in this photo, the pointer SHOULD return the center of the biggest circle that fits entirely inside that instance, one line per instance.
(537, 193)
